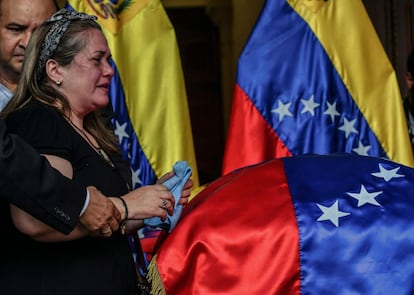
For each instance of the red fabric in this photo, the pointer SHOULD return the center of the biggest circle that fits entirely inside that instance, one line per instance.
(250, 139)
(225, 245)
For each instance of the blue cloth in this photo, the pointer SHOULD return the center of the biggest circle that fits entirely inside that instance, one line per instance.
(175, 184)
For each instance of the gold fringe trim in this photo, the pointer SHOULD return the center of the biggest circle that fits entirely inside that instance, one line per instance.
(154, 278)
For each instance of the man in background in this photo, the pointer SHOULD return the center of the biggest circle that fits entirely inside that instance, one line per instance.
(18, 19)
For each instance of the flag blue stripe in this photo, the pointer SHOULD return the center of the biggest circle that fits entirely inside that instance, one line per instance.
(364, 254)
(291, 66)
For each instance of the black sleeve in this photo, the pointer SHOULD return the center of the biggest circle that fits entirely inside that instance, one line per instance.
(43, 128)
(29, 182)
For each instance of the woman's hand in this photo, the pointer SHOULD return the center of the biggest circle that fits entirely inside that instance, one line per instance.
(185, 194)
(149, 201)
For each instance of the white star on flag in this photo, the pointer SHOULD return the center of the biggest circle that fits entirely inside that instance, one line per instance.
(135, 177)
(332, 213)
(364, 197)
(361, 149)
(283, 110)
(120, 131)
(331, 111)
(309, 106)
(348, 127)
(387, 175)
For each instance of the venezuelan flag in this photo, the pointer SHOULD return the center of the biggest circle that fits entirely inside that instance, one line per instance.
(148, 95)
(309, 224)
(314, 78)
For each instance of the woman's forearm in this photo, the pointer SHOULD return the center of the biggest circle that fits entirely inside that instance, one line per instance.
(40, 231)
(36, 229)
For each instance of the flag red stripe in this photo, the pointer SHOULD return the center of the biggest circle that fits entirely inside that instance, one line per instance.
(249, 137)
(236, 236)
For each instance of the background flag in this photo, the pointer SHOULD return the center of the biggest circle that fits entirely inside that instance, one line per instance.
(296, 225)
(314, 78)
(147, 93)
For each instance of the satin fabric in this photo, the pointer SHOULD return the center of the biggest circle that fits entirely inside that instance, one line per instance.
(251, 136)
(364, 69)
(238, 236)
(370, 250)
(308, 74)
(261, 230)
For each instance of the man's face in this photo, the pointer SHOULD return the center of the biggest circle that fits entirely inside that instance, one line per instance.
(18, 19)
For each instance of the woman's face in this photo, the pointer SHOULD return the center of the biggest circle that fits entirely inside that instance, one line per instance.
(86, 79)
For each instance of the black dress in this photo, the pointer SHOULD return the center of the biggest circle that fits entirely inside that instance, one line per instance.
(85, 266)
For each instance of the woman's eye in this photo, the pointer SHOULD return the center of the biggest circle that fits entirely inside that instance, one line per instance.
(96, 60)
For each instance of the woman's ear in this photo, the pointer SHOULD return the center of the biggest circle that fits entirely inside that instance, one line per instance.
(53, 71)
